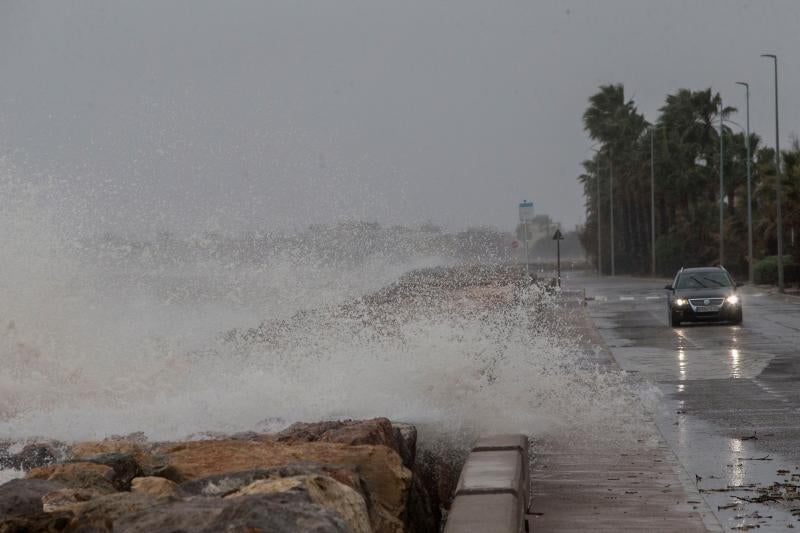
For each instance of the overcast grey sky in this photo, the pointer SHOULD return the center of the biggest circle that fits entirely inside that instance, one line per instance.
(263, 114)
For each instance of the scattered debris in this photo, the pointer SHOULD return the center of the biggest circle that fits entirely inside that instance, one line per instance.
(760, 499)
(754, 515)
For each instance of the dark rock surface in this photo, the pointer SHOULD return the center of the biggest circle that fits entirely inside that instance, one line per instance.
(23, 497)
(352, 432)
(124, 465)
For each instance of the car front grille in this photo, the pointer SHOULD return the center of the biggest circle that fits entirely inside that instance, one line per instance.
(706, 301)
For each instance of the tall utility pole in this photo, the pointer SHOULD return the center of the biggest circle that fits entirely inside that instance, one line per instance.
(721, 187)
(599, 219)
(611, 207)
(652, 204)
(778, 192)
(599, 245)
(749, 200)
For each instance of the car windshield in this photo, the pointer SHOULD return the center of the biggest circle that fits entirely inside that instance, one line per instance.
(703, 280)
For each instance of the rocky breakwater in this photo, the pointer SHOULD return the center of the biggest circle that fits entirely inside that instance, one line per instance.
(343, 476)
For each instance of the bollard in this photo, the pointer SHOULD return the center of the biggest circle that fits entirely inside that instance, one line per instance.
(494, 487)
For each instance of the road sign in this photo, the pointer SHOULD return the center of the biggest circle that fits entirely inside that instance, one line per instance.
(558, 236)
(525, 211)
(515, 244)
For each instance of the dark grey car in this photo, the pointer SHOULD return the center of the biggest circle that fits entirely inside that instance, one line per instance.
(703, 294)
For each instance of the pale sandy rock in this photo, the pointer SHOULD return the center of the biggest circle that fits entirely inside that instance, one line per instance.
(66, 499)
(155, 486)
(387, 480)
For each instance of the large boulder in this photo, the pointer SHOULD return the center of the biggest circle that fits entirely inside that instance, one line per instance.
(149, 464)
(23, 497)
(286, 512)
(405, 437)
(155, 486)
(45, 522)
(386, 479)
(229, 482)
(67, 499)
(108, 508)
(124, 465)
(83, 450)
(78, 475)
(353, 432)
(322, 490)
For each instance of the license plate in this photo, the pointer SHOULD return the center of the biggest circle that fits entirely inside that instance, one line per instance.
(706, 309)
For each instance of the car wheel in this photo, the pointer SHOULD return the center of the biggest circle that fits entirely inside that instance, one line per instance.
(738, 318)
(673, 320)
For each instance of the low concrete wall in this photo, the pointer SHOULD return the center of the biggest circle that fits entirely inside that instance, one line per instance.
(493, 490)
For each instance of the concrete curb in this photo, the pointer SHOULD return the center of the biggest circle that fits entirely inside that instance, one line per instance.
(493, 490)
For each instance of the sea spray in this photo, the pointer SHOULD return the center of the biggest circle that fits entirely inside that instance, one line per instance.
(179, 335)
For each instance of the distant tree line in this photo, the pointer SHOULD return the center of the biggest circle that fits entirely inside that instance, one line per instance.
(539, 231)
(687, 195)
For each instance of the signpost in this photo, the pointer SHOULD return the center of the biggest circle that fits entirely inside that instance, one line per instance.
(558, 237)
(526, 215)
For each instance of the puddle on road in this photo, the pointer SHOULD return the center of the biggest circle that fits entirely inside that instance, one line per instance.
(745, 487)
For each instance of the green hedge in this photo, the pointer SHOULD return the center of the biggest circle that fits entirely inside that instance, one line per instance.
(766, 270)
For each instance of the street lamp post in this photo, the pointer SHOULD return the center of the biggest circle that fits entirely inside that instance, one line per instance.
(778, 193)
(599, 245)
(749, 200)
(721, 187)
(652, 204)
(599, 233)
(611, 207)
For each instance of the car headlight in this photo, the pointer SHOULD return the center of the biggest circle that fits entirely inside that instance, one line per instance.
(732, 299)
(680, 302)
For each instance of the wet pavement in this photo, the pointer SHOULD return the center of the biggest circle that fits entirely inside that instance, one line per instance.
(730, 395)
(623, 477)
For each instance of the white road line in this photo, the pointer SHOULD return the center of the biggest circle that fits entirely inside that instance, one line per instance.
(653, 297)
(626, 298)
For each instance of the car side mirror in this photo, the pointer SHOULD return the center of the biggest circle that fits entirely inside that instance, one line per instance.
(668, 287)
(739, 284)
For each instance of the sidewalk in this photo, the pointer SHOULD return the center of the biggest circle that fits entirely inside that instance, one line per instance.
(598, 487)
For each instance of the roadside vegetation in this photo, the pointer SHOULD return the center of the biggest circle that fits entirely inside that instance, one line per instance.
(687, 158)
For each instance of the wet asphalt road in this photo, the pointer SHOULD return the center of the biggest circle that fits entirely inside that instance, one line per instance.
(730, 395)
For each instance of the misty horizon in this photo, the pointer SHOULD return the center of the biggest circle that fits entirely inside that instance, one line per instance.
(193, 117)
